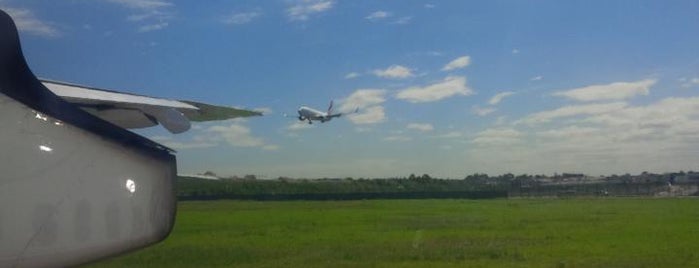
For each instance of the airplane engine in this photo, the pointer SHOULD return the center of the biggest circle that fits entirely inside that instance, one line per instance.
(74, 188)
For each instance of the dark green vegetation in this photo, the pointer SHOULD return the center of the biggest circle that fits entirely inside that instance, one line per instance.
(598, 232)
(477, 186)
(330, 189)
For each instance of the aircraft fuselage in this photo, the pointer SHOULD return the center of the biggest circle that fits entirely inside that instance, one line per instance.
(310, 114)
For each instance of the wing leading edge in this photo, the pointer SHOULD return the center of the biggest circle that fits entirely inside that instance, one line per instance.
(138, 111)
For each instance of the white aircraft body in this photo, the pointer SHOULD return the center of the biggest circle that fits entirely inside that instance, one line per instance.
(310, 114)
(76, 186)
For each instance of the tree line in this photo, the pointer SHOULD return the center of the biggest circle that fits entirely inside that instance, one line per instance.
(422, 186)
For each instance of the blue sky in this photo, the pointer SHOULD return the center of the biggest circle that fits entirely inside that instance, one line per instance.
(447, 88)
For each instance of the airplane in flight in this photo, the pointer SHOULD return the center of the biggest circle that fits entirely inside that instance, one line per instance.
(76, 186)
(310, 114)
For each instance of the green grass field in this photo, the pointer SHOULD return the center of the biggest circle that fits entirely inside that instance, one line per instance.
(623, 232)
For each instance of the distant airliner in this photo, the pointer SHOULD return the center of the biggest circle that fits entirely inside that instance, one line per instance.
(310, 114)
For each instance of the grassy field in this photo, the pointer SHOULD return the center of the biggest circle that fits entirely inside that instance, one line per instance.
(622, 232)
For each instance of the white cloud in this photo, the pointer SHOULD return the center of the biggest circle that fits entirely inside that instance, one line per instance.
(299, 125)
(232, 132)
(429, 6)
(613, 91)
(515, 51)
(571, 111)
(371, 115)
(397, 138)
(241, 18)
(658, 137)
(264, 110)
(270, 147)
(451, 135)
(499, 97)
(450, 86)
(236, 135)
(301, 10)
(378, 15)
(403, 20)
(26, 21)
(568, 132)
(458, 63)
(177, 145)
(362, 98)
(351, 75)
(483, 111)
(497, 137)
(368, 101)
(153, 14)
(152, 27)
(536, 78)
(420, 127)
(142, 4)
(688, 83)
(394, 72)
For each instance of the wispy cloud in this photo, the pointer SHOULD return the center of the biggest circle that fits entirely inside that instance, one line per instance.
(352, 75)
(498, 137)
(239, 18)
(449, 87)
(689, 82)
(451, 135)
(232, 132)
(458, 63)
(236, 135)
(420, 127)
(378, 15)
(153, 27)
(398, 138)
(403, 20)
(499, 97)
(515, 51)
(604, 138)
(362, 98)
(394, 72)
(368, 101)
(482, 111)
(152, 15)
(301, 10)
(613, 91)
(178, 145)
(536, 78)
(430, 6)
(26, 21)
(264, 110)
(299, 125)
(142, 4)
(370, 115)
(571, 111)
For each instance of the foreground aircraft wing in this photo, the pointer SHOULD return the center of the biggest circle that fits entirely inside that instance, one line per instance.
(74, 188)
(137, 111)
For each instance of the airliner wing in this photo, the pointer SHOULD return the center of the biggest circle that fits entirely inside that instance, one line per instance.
(137, 111)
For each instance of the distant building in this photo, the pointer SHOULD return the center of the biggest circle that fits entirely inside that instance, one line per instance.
(687, 178)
